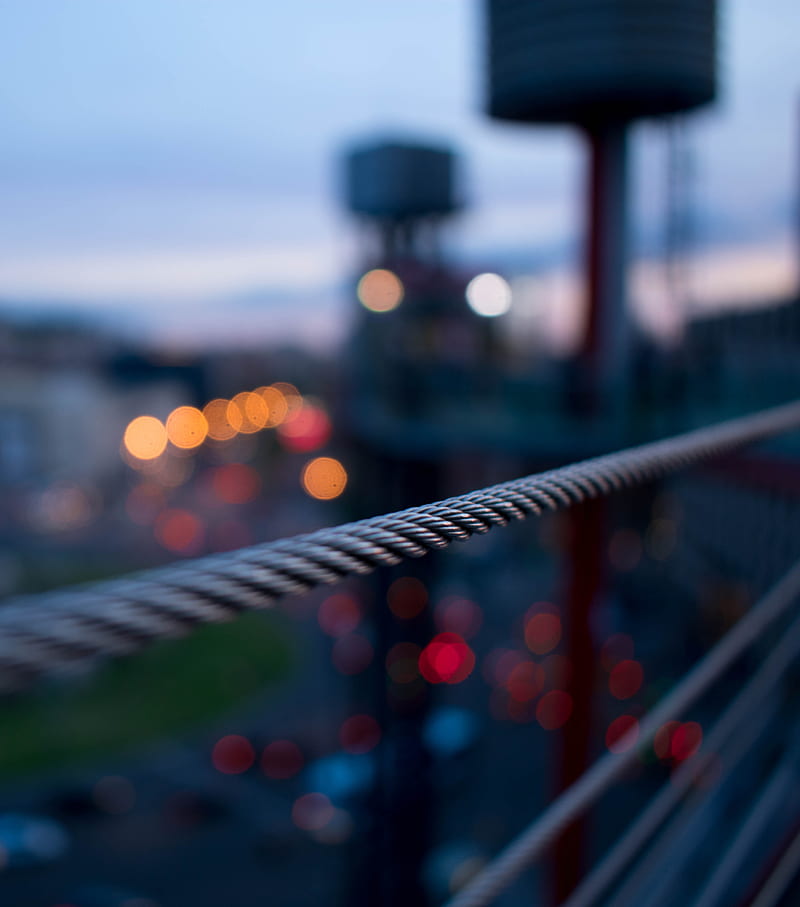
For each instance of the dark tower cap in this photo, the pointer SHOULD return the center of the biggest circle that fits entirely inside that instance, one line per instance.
(393, 180)
(584, 61)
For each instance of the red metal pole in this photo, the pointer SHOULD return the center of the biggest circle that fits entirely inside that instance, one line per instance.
(603, 360)
(585, 577)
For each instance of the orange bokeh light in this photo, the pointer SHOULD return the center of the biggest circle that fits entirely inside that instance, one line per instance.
(251, 411)
(324, 478)
(277, 406)
(380, 290)
(224, 420)
(145, 438)
(187, 427)
(291, 395)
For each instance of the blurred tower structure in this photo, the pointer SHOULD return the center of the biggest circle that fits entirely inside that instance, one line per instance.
(415, 341)
(601, 65)
(402, 193)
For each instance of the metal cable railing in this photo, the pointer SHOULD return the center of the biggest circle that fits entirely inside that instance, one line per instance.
(485, 887)
(726, 737)
(58, 630)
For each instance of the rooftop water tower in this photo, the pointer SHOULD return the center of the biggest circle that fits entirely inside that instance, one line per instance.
(403, 190)
(601, 64)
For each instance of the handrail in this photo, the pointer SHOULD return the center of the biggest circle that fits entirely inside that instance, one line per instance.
(718, 739)
(56, 630)
(498, 874)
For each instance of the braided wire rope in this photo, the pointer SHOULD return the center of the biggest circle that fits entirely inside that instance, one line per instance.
(57, 630)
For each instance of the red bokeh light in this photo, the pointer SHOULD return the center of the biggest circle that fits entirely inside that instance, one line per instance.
(458, 615)
(407, 597)
(525, 681)
(359, 734)
(446, 659)
(339, 615)
(626, 679)
(179, 531)
(235, 483)
(498, 665)
(662, 742)
(281, 759)
(307, 429)
(542, 632)
(617, 739)
(686, 741)
(233, 755)
(521, 712)
(352, 654)
(554, 709)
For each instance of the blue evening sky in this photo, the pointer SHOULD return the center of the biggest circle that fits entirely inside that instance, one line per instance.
(159, 156)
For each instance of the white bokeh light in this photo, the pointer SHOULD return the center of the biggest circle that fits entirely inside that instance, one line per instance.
(489, 295)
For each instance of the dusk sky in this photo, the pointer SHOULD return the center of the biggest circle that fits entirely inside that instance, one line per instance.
(160, 157)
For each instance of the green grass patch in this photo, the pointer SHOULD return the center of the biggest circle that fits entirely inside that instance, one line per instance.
(171, 687)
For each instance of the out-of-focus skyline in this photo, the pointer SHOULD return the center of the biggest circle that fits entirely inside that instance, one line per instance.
(161, 158)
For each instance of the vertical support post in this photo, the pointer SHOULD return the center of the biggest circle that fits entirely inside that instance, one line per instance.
(584, 585)
(604, 363)
(604, 352)
(395, 841)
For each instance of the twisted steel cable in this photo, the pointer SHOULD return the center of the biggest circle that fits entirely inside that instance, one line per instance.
(58, 630)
